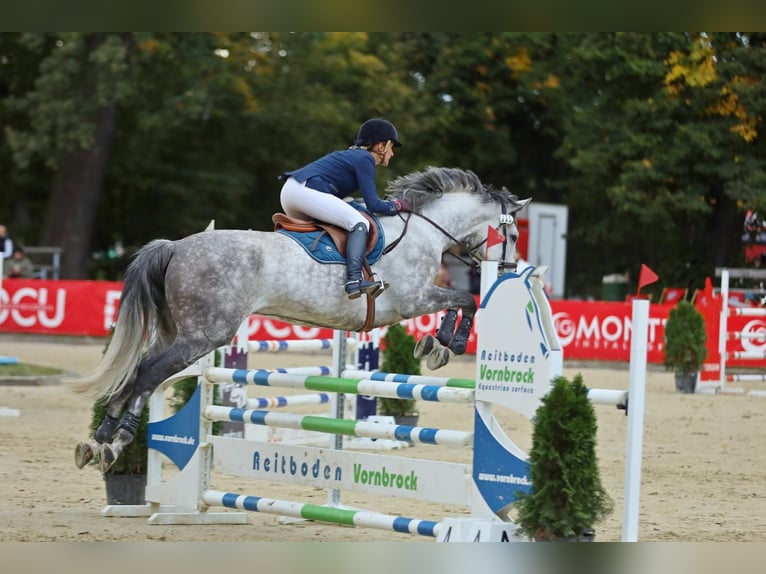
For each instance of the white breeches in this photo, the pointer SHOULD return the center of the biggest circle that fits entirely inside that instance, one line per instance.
(305, 203)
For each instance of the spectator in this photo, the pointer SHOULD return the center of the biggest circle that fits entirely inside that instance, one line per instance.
(443, 279)
(18, 266)
(6, 243)
(521, 263)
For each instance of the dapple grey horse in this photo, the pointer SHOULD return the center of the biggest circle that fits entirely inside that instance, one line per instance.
(183, 299)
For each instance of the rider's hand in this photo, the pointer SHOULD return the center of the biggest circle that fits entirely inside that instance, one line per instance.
(403, 204)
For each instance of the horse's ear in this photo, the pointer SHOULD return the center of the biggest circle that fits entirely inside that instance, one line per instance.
(520, 203)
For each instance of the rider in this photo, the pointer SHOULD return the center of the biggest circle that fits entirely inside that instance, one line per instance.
(317, 190)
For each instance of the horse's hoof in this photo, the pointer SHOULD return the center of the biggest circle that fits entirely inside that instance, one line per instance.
(83, 454)
(458, 346)
(438, 358)
(107, 456)
(424, 347)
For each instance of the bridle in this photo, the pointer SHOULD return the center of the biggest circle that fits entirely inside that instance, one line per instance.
(504, 221)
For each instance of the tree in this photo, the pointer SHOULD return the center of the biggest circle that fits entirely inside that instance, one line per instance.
(651, 139)
(72, 113)
(650, 152)
(492, 106)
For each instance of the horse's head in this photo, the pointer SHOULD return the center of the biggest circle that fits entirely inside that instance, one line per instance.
(500, 239)
(474, 217)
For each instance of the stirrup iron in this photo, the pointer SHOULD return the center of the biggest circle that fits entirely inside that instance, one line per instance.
(380, 286)
(357, 287)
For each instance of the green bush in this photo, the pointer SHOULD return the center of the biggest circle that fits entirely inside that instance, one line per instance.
(685, 339)
(397, 358)
(567, 497)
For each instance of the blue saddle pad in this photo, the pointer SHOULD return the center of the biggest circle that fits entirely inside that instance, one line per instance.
(324, 250)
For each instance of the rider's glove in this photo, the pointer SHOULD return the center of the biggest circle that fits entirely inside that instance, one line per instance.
(402, 204)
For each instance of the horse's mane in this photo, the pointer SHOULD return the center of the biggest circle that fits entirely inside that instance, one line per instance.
(423, 187)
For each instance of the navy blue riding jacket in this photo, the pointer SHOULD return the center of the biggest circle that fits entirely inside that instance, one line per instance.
(342, 173)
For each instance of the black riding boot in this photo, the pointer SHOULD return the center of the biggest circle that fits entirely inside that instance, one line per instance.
(355, 252)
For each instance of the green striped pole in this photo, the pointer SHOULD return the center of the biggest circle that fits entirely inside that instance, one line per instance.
(422, 435)
(329, 514)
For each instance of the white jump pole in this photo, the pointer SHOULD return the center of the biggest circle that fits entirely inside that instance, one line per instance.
(637, 395)
(723, 327)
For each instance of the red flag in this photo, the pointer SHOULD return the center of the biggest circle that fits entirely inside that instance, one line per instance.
(647, 277)
(494, 237)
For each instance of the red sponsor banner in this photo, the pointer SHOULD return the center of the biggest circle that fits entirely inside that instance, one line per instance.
(588, 330)
(264, 328)
(601, 331)
(86, 308)
(743, 335)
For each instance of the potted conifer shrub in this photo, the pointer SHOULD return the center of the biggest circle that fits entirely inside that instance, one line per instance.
(567, 498)
(398, 347)
(685, 345)
(125, 481)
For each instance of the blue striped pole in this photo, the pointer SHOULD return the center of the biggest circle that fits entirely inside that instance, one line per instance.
(289, 401)
(609, 397)
(329, 514)
(419, 392)
(320, 370)
(418, 379)
(299, 345)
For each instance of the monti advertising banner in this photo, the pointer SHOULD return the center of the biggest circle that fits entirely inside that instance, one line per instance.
(587, 330)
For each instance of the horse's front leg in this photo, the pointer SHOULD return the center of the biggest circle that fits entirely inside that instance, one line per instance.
(447, 328)
(437, 349)
(459, 340)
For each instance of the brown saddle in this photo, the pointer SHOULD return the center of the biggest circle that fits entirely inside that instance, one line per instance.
(337, 234)
(339, 237)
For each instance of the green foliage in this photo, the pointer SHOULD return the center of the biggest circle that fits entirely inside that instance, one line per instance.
(397, 358)
(28, 370)
(659, 130)
(567, 497)
(685, 339)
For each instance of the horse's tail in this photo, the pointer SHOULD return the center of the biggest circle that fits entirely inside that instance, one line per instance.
(142, 301)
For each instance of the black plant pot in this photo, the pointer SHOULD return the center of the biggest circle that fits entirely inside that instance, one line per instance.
(125, 489)
(409, 420)
(686, 382)
(585, 536)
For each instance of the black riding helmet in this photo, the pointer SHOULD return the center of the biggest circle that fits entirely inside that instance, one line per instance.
(377, 130)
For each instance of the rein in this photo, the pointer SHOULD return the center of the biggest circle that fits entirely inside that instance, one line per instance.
(475, 260)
